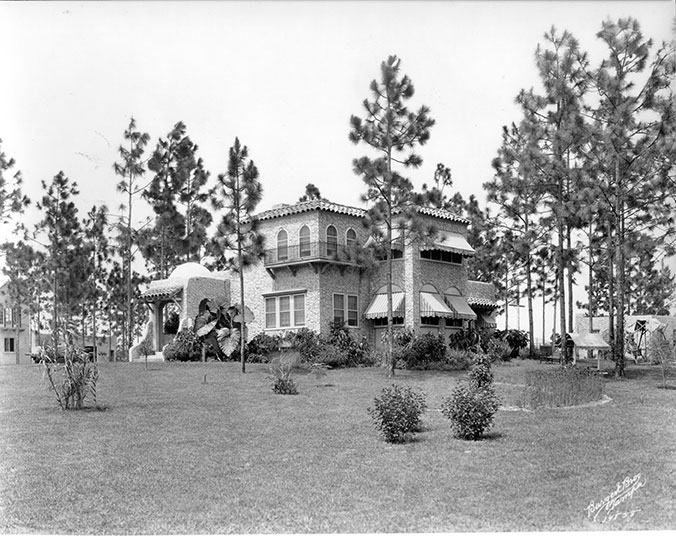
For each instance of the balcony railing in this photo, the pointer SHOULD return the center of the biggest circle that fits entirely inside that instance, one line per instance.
(311, 252)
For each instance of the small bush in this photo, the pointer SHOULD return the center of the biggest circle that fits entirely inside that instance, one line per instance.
(516, 339)
(396, 412)
(498, 350)
(185, 347)
(333, 357)
(481, 376)
(257, 359)
(562, 387)
(356, 351)
(470, 410)
(425, 349)
(263, 344)
(458, 359)
(280, 371)
(308, 343)
(74, 380)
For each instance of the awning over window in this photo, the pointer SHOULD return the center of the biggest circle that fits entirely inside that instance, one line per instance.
(432, 305)
(460, 307)
(378, 306)
(455, 243)
(486, 321)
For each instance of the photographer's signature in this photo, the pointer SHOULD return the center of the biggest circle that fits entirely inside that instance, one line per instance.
(614, 505)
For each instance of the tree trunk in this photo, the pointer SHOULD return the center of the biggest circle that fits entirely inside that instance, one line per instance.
(507, 296)
(529, 293)
(569, 268)
(611, 292)
(620, 271)
(590, 290)
(562, 293)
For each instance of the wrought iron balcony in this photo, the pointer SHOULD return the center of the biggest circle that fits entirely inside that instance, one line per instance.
(312, 252)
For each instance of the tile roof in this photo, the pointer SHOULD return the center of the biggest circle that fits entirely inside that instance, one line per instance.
(328, 206)
(481, 294)
(309, 206)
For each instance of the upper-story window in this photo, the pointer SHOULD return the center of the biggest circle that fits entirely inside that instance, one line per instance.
(282, 245)
(440, 255)
(305, 250)
(331, 241)
(350, 238)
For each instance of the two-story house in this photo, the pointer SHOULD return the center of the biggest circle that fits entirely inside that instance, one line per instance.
(312, 274)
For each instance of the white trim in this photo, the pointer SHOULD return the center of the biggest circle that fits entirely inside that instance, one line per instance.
(292, 310)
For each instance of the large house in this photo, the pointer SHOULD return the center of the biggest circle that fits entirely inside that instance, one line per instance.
(312, 275)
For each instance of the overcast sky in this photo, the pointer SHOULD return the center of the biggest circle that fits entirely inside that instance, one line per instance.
(282, 76)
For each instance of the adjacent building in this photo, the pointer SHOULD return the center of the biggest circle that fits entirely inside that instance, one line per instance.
(15, 341)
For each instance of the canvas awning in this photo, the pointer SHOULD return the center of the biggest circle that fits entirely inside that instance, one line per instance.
(432, 305)
(455, 243)
(378, 306)
(589, 341)
(486, 321)
(460, 307)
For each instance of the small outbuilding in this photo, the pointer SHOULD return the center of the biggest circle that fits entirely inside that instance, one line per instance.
(588, 342)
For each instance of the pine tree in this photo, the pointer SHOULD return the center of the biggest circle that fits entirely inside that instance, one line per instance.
(634, 119)
(238, 193)
(312, 193)
(177, 195)
(393, 132)
(12, 199)
(64, 266)
(131, 169)
(555, 121)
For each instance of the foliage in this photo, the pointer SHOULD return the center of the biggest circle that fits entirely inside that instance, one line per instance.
(481, 376)
(263, 344)
(130, 169)
(465, 340)
(356, 352)
(562, 387)
(185, 347)
(393, 132)
(12, 199)
(396, 412)
(238, 244)
(458, 359)
(498, 350)
(312, 193)
(177, 196)
(219, 326)
(516, 339)
(72, 381)
(421, 352)
(308, 343)
(470, 410)
(171, 323)
(280, 371)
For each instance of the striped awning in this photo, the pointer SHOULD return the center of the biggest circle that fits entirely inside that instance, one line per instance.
(460, 307)
(486, 321)
(455, 243)
(432, 305)
(378, 306)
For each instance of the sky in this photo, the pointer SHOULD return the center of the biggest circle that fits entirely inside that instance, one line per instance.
(284, 77)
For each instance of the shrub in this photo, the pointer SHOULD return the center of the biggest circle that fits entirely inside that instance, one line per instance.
(257, 359)
(457, 359)
(562, 387)
(356, 352)
(481, 376)
(185, 347)
(470, 410)
(74, 380)
(280, 370)
(516, 339)
(465, 340)
(423, 350)
(262, 344)
(396, 412)
(333, 357)
(308, 343)
(498, 350)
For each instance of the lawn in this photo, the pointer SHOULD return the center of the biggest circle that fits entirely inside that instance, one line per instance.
(170, 453)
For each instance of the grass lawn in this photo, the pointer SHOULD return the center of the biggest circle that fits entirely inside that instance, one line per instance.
(172, 454)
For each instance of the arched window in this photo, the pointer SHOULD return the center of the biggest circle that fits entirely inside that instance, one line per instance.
(282, 245)
(331, 241)
(350, 238)
(304, 241)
